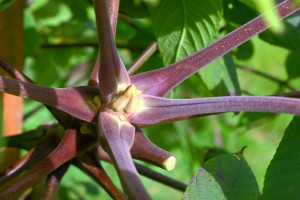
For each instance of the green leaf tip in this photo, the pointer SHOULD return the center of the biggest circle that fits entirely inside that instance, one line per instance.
(169, 164)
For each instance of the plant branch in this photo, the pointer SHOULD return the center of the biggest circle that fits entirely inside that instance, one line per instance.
(113, 16)
(35, 155)
(148, 173)
(143, 58)
(61, 117)
(159, 110)
(117, 138)
(72, 144)
(13, 71)
(53, 180)
(112, 72)
(144, 149)
(28, 139)
(295, 94)
(160, 82)
(89, 44)
(160, 178)
(113, 6)
(89, 163)
(265, 75)
(56, 97)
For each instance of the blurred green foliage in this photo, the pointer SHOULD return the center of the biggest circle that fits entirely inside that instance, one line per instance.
(61, 35)
(5, 4)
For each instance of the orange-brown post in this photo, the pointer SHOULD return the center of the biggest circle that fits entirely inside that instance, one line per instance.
(11, 48)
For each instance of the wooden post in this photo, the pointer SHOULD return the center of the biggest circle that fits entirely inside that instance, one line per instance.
(11, 48)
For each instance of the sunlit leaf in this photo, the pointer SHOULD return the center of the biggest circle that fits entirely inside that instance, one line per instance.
(51, 13)
(187, 27)
(183, 27)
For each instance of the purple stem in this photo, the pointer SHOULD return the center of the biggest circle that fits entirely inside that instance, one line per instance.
(90, 164)
(80, 105)
(53, 181)
(267, 76)
(144, 149)
(143, 58)
(158, 110)
(72, 144)
(58, 157)
(113, 13)
(14, 72)
(35, 155)
(160, 178)
(160, 82)
(112, 72)
(117, 138)
(148, 173)
(113, 6)
(61, 117)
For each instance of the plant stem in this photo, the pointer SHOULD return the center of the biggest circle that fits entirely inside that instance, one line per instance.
(89, 163)
(148, 172)
(265, 75)
(53, 181)
(89, 44)
(113, 6)
(144, 149)
(117, 139)
(142, 58)
(112, 72)
(161, 110)
(113, 16)
(73, 144)
(160, 178)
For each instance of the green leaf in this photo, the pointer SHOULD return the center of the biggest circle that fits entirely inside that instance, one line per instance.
(32, 40)
(289, 38)
(80, 14)
(51, 13)
(237, 12)
(220, 77)
(184, 27)
(292, 64)
(282, 180)
(223, 177)
(136, 9)
(5, 4)
(250, 3)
